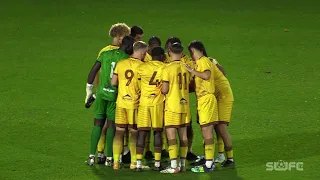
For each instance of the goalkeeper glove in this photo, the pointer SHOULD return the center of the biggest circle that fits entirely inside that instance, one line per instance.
(89, 92)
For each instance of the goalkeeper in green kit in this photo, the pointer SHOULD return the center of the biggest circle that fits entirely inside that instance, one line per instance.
(106, 96)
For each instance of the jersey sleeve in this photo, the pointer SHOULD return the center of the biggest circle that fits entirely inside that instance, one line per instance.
(100, 57)
(203, 65)
(165, 75)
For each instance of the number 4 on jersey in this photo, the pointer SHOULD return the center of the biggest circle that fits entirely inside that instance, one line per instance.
(152, 82)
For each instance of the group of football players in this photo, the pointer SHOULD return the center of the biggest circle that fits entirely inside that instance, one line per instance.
(142, 87)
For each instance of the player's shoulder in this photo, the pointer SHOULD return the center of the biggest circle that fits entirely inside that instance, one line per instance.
(203, 60)
(108, 48)
(123, 62)
(109, 52)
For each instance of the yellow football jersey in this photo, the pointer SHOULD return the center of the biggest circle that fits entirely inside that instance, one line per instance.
(107, 48)
(223, 88)
(128, 88)
(177, 99)
(150, 75)
(147, 58)
(204, 87)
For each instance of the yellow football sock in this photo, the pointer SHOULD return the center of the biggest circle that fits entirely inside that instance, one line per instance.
(157, 156)
(117, 148)
(102, 143)
(133, 146)
(209, 151)
(209, 148)
(173, 149)
(220, 145)
(229, 154)
(139, 156)
(164, 140)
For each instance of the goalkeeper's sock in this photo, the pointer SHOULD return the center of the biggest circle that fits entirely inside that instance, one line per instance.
(95, 135)
(110, 136)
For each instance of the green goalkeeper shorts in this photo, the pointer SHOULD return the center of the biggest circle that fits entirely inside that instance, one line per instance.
(105, 109)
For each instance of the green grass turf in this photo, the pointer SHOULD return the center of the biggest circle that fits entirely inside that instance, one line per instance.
(48, 47)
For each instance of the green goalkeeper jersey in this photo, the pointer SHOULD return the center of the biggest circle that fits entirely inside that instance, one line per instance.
(108, 60)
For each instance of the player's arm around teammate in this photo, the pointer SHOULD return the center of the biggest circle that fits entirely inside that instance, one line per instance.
(207, 103)
(125, 76)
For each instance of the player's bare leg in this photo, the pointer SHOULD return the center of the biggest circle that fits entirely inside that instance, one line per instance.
(220, 158)
(110, 132)
(207, 133)
(173, 151)
(95, 135)
(149, 154)
(182, 131)
(157, 149)
(118, 146)
(142, 134)
(222, 129)
(164, 152)
(102, 144)
(190, 156)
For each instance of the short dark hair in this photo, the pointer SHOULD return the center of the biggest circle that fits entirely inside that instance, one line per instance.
(154, 41)
(176, 48)
(136, 30)
(172, 40)
(199, 46)
(157, 51)
(127, 44)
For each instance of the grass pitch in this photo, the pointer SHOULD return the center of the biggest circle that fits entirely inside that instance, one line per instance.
(270, 50)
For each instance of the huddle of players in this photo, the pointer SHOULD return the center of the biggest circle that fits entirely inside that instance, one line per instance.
(142, 93)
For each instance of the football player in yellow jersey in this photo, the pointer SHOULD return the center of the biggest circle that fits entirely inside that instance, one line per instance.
(125, 77)
(185, 58)
(188, 60)
(225, 100)
(154, 41)
(207, 102)
(117, 32)
(150, 112)
(175, 85)
(137, 33)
